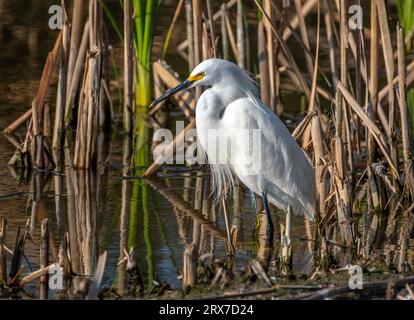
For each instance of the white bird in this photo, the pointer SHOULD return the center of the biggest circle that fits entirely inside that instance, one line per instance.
(275, 168)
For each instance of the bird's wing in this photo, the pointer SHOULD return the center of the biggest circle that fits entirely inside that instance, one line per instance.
(283, 169)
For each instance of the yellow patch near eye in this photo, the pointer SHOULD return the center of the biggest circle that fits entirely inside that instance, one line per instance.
(196, 77)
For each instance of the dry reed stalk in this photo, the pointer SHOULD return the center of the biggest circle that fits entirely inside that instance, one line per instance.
(190, 266)
(370, 125)
(198, 205)
(156, 165)
(331, 44)
(383, 94)
(198, 31)
(184, 99)
(3, 260)
(190, 33)
(37, 154)
(224, 37)
(75, 37)
(227, 223)
(270, 54)
(286, 243)
(219, 14)
(241, 47)
(376, 200)
(58, 128)
(304, 36)
(263, 64)
(291, 61)
(236, 224)
(44, 258)
(46, 122)
(92, 108)
(294, 21)
(207, 49)
(123, 233)
(211, 28)
(405, 117)
(316, 129)
(230, 34)
(129, 107)
(37, 274)
(343, 201)
(43, 86)
(79, 160)
(406, 230)
(77, 73)
(373, 83)
(390, 71)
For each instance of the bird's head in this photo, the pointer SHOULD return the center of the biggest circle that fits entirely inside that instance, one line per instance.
(207, 73)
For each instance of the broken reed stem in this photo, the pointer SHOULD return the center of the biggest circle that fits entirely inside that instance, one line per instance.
(37, 274)
(190, 266)
(156, 165)
(44, 258)
(3, 264)
(286, 243)
(38, 138)
(43, 86)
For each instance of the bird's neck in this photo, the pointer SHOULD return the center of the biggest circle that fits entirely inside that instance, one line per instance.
(228, 92)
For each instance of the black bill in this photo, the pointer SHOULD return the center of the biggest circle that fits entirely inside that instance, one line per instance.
(184, 85)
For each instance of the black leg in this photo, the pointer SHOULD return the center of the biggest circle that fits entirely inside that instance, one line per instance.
(270, 227)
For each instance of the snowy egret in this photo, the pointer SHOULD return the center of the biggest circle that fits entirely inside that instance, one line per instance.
(232, 104)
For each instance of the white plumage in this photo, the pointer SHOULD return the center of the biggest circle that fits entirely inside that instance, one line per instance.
(231, 106)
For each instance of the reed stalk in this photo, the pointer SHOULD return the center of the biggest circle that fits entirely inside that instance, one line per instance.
(406, 130)
(44, 259)
(3, 261)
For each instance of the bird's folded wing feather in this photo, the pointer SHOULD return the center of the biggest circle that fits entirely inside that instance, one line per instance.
(282, 162)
